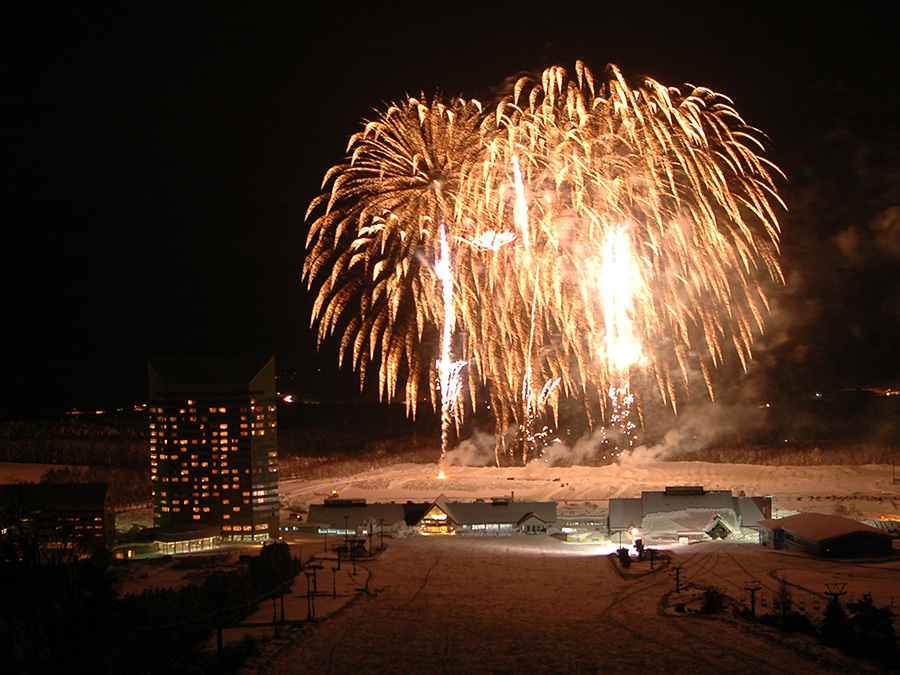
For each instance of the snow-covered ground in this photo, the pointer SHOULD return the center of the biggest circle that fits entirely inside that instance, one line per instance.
(860, 491)
(525, 604)
(538, 605)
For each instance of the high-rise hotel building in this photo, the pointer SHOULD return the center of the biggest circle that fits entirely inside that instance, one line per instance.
(214, 444)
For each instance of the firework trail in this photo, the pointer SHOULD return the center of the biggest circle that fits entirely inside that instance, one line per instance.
(594, 229)
(449, 373)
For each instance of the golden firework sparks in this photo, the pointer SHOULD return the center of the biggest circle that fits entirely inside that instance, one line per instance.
(594, 229)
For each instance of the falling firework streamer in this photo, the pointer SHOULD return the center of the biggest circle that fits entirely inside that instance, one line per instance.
(449, 373)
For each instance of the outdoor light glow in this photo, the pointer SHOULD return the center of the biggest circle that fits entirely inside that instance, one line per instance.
(578, 233)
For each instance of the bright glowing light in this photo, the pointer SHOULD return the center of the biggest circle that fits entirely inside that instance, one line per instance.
(647, 228)
(618, 280)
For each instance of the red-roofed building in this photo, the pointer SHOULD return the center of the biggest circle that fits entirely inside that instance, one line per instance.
(824, 535)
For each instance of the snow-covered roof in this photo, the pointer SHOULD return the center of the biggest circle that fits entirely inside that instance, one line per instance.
(663, 502)
(624, 513)
(751, 509)
(819, 527)
(355, 516)
(497, 513)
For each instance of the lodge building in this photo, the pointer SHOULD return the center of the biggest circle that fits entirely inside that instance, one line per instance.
(499, 515)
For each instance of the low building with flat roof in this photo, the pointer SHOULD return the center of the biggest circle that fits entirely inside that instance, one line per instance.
(824, 535)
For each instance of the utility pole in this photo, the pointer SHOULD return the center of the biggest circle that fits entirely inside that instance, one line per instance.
(677, 567)
(752, 587)
(836, 591)
(310, 600)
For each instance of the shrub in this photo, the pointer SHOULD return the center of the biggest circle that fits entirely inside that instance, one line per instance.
(713, 600)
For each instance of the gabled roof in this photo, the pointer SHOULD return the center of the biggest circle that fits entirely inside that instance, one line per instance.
(531, 514)
(819, 527)
(496, 512)
(717, 521)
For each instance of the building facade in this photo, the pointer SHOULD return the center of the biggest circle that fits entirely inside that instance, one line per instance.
(54, 522)
(686, 513)
(500, 515)
(214, 444)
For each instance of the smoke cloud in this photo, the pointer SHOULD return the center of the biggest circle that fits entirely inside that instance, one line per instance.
(478, 450)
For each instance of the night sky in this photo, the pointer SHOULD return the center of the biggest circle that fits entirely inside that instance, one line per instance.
(160, 159)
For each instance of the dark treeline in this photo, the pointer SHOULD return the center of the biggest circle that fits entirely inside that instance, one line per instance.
(68, 618)
(113, 439)
(324, 440)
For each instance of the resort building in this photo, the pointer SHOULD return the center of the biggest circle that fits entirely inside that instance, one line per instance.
(499, 515)
(686, 513)
(214, 445)
(54, 521)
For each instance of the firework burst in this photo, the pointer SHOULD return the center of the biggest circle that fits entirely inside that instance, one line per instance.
(593, 229)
